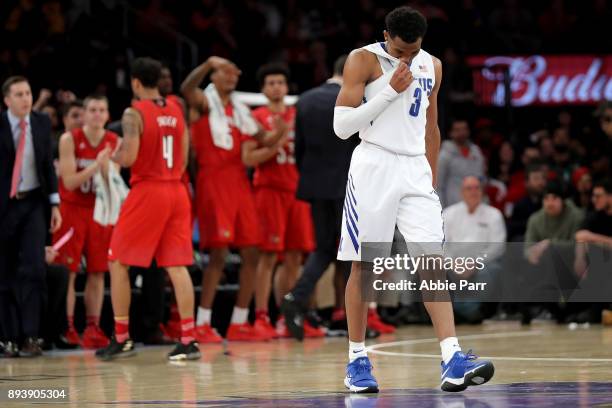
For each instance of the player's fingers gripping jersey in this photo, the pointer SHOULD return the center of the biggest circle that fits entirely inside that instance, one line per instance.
(385, 189)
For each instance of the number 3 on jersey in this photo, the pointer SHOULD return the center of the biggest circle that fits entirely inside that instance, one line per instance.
(168, 150)
(416, 105)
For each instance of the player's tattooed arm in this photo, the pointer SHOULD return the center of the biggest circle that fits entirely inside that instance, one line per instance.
(72, 178)
(432, 131)
(131, 123)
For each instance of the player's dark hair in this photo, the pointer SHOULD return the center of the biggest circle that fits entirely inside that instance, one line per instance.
(94, 97)
(147, 71)
(66, 107)
(273, 68)
(339, 64)
(10, 81)
(406, 23)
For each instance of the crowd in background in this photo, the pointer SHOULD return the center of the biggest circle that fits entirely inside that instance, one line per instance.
(552, 183)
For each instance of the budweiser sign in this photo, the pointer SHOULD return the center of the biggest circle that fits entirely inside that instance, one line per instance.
(543, 80)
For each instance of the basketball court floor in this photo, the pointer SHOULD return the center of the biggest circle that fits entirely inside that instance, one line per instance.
(540, 366)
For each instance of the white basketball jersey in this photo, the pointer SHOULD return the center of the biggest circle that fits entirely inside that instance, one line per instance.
(400, 128)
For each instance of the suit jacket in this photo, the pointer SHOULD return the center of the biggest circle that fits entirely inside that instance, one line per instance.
(322, 158)
(43, 153)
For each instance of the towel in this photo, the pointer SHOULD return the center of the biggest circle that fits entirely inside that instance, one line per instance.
(109, 196)
(219, 124)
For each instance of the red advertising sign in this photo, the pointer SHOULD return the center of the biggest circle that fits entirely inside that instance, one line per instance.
(543, 80)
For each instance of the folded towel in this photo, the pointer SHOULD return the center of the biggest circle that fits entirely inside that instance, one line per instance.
(109, 196)
(219, 124)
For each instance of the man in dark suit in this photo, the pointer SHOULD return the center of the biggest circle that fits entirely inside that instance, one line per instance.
(28, 188)
(323, 161)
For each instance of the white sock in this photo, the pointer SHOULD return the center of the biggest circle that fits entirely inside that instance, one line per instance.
(239, 315)
(356, 350)
(449, 346)
(203, 316)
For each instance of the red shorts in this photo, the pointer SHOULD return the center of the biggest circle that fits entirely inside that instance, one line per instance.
(154, 222)
(90, 239)
(286, 221)
(226, 213)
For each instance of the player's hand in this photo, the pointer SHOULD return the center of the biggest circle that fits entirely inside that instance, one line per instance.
(104, 156)
(280, 128)
(402, 78)
(50, 255)
(56, 219)
(222, 63)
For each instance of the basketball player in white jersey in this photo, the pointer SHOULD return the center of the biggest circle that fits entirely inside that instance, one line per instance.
(389, 96)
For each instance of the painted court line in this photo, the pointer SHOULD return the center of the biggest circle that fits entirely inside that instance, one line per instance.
(375, 349)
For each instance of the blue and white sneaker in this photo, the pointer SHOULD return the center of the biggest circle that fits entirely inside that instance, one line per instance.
(359, 376)
(463, 371)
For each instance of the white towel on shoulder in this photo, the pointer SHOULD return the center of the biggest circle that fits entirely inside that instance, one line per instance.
(219, 124)
(109, 196)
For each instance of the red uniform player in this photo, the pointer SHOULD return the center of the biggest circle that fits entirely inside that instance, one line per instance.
(286, 221)
(155, 219)
(82, 153)
(225, 203)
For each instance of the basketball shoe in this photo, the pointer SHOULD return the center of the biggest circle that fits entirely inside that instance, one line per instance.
(463, 371)
(359, 376)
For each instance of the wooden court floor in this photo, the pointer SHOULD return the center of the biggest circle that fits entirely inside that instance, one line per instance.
(543, 365)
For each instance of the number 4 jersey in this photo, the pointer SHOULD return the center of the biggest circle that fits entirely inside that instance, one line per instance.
(160, 156)
(85, 154)
(280, 172)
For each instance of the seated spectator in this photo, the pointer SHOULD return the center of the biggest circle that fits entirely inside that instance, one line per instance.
(516, 184)
(534, 183)
(471, 220)
(556, 223)
(459, 158)
(582, 184)
(597, 225)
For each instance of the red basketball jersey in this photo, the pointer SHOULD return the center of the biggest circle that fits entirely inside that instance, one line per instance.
(280, 171)
(85, 154)
(212, 158)
(160, 156)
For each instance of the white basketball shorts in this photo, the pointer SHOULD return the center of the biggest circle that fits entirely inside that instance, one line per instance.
(385, 189)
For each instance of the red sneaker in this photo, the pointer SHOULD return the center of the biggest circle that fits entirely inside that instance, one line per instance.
(94, 338)
(72, 337)
(311, 331)
(243, 332)
(281, 329)
(173, 330)
(206, 334)
(375, 323)
(263, 327)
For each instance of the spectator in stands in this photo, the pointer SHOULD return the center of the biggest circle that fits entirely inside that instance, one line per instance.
(563, 163)
(601, 146)
(582, 184)
(516, 185)
(471, 220)
(556, 223)
(459, 158)
(597, 225)
(535, 181)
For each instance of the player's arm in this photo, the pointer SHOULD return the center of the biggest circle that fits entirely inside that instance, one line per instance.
(432, 130)
(72, 178)
(253, 153)
(350, 114)
(190, 88)
(270, 138)
(185, 147)
(131, 124)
